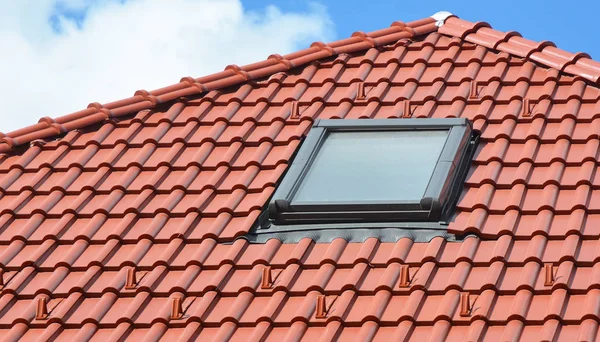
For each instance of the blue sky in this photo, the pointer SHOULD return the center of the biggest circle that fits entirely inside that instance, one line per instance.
(83, 51)
(572, 28)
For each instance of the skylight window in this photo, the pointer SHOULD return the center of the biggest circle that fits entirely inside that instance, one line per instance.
(361, 171)
(379, 166)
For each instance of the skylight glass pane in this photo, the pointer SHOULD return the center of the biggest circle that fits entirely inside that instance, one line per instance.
(372, 166)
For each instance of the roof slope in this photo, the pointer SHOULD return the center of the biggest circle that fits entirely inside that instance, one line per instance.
(113, 221)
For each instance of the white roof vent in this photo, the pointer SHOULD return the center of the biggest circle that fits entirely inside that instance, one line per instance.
(440, 17)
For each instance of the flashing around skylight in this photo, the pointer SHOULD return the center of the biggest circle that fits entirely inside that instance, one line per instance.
(400, 173)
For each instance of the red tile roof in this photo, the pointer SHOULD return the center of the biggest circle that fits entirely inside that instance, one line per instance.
(140, 203)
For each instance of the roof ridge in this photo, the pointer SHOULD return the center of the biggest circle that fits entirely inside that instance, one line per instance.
(233, 74)
(512, 42)
(446, 23)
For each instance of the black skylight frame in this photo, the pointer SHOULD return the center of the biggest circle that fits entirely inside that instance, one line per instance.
(434, 206)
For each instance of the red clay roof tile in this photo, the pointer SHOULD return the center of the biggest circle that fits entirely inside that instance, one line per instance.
(157, 187)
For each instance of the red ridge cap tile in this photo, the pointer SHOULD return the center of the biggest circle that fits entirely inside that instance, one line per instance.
(479, 33)
(546, 53)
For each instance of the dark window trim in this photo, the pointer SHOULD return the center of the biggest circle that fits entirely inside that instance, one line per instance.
(432, 207)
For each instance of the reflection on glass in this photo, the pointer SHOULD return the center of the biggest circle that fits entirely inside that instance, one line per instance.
(372, 166)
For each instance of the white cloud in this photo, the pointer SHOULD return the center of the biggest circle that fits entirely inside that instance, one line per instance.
(59, 55)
